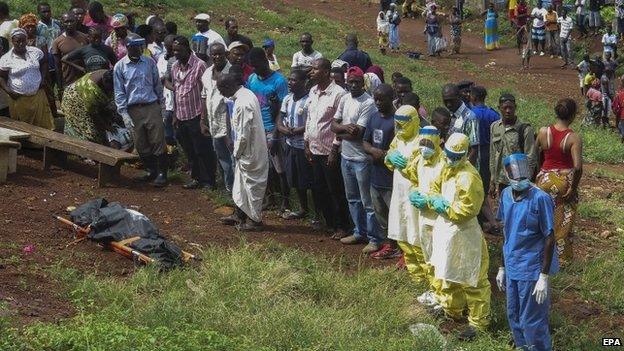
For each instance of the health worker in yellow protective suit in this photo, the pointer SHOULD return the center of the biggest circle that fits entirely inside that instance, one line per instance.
(459, 256)
(424, 168)
(402, 216)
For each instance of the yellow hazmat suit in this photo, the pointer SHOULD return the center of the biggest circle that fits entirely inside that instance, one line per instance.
(403, 217)
(422, 171)
(459, 253)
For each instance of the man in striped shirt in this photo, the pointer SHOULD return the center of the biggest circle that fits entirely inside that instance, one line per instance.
(328, 187)
(190, 109)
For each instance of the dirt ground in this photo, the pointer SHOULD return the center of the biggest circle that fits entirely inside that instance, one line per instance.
(488, 67)
(31, 196)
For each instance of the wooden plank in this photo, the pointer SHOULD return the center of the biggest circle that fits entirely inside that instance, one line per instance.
(62, 142)
(129, 241)
(4, 163)
(107, 173)
(47, 158)
(13, 135)
(12, 161)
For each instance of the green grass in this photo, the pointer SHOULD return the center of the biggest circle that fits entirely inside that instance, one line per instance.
(257, 298)
(605, 173)
(601, 278)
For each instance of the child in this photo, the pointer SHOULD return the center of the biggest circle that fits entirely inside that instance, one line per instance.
(594, 103)
(383, 30)
(583, 70)
(527, 51)
(605, 90)
(269, 48)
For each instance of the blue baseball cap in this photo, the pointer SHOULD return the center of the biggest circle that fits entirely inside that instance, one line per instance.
(136, 42)
(268, 43)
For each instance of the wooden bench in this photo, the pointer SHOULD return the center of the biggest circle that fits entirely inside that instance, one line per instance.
(109, 159)
(6, 146)
(12, 135)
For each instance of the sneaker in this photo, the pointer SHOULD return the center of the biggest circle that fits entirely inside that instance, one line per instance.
(250, 226)
(316, 225)
(552, 56)
(427, 299)
(290, 215)
(370, 248)
(534, 52)
(386, 252)
(230, 220)
(542, 53)
(469, 334)
(352, 240)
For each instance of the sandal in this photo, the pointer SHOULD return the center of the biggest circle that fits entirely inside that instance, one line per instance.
(292, 215)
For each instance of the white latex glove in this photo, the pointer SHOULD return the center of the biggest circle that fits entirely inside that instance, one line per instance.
(500, 278)
(127, 120)
(541, 288)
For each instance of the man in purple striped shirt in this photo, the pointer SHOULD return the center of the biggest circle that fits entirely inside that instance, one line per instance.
(190, 109)
(328, 187)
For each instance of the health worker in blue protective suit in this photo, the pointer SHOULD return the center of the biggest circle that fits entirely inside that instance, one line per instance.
(529, 255)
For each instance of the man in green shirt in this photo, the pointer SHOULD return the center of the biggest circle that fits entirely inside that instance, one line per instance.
(508, 136)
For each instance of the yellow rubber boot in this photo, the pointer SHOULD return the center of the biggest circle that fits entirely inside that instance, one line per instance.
(414, 261)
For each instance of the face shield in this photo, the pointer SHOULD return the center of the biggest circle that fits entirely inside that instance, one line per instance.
(406, 122)
(429, 141)
(456, 148)
(518, 171)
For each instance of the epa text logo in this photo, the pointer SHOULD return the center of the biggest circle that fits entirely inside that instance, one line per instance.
(614, 342)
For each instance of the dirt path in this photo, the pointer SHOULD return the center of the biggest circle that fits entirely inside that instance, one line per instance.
(499, 68)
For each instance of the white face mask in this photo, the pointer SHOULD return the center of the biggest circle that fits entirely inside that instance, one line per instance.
(452, 163)
(426, 151)
(519, 185)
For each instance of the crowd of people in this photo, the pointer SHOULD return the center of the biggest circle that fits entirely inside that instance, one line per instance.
(409, 184)
(547, 28)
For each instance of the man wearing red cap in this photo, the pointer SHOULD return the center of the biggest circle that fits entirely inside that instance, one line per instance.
(349, 124)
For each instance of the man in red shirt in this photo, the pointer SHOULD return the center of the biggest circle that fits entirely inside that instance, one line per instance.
(618, 109)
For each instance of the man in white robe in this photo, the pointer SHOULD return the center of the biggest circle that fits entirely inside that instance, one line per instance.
(250, 154)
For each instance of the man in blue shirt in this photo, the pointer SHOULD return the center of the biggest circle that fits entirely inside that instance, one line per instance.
(270, 88)
(378, 135)
(486, 116)
(529, 255)
(138, 92)
(354, 56)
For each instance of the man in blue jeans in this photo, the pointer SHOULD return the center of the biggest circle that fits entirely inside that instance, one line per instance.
(217, 117)
(354, 112)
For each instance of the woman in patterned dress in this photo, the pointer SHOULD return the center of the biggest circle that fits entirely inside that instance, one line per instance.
(455, 21)
(86, 106)
(561, 172)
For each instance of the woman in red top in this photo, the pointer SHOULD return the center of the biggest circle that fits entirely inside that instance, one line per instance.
(561, 172)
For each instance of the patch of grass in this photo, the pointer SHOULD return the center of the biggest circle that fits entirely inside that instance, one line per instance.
(218, 197)
(605, 173)
(253, 298)
(607, 211)
(605, 271)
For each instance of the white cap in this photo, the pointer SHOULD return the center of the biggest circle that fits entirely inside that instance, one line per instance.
(202, 17)
(236, 44)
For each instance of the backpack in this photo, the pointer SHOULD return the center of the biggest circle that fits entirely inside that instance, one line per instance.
(521, 128)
